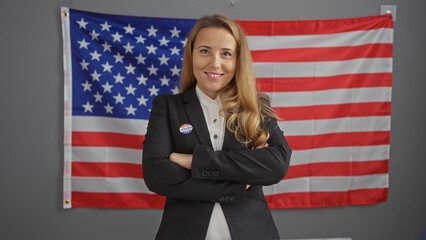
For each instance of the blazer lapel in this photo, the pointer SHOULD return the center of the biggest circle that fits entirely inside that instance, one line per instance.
(196, 117)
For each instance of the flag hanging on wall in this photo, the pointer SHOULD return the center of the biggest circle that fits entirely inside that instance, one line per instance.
(330, 81)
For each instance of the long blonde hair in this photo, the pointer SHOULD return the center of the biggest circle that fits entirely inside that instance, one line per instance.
(244, 108)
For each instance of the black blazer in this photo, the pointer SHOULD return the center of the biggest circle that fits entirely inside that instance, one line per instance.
(216, 176)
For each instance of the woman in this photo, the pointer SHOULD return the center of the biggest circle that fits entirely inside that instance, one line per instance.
(211, 148)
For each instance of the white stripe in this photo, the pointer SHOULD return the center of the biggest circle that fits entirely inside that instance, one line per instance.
(334, 96)
(326, 184)
(340, 154)
(322, 69)
(110, 185)
(107, 154)
(354, 38)
(324, 126)
(107, 124)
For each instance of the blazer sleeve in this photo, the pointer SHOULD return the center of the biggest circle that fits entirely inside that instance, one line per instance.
(265, 166)
(167, 178)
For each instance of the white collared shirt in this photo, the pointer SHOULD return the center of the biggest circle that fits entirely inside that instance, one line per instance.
(218, 227)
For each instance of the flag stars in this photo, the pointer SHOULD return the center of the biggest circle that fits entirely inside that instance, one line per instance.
(82, 23)
(175, 90)
(106, 46)
(164, 81)
(163, 60)
(105, 26)
(98, 97)
(130, 110)
(108, 108)
(175, 50)
(175, 32)
(142, 79)
(84, 65)
(88, 107)
(142, 100)
(141, 59)
(175, 70)
(95, 76)
(184, 42)
(129, 48)
(152, 70)
(130, 69)
(94, 35)
(107, 87)
(153, 91)
(140, 39)
(95, 55)
(119, 98)
(83, 44)
(130, 90)
(164, 41)
(107, 67)
(118, 58)
(116, 37)
(152, 49)
(129, 29)
(87, 86)
(152, 31)
(118, 78)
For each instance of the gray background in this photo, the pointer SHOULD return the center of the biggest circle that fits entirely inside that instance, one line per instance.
(31, 109)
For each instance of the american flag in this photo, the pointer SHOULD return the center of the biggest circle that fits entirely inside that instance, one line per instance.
(330, 81)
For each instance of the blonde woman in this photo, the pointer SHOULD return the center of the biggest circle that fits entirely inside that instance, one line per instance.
(211, 148)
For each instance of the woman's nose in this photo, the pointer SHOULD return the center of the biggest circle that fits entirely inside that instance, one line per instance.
(215, 61)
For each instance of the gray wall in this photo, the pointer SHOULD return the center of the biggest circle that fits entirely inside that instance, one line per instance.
(31, 109)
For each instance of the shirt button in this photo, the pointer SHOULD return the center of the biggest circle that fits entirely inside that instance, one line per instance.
(215, 120)
(215, 136)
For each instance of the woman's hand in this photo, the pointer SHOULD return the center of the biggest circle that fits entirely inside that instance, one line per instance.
(184, 160)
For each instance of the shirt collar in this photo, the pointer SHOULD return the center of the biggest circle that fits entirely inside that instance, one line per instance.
(206, 100)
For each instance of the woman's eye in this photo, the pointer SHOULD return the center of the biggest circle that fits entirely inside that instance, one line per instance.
(227, 54)
(204, 51)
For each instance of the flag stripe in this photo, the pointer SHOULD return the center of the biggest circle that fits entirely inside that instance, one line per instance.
(108, 154)
(324, 83)
(334, 111)
(106, 169)
(327, 199)
(323, 53)
(117, 200)
(107, 139)
(306, 27)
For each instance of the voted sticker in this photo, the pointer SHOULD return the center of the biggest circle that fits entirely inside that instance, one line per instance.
(185, 128)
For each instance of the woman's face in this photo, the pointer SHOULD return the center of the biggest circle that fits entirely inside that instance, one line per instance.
(214, 60)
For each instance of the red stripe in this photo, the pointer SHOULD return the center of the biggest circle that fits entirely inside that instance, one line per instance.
(275, 28)
(107, 139)
(327, 199)
(117, 200)
(323, 53)
(338, 169)
(339, 140)
(99, 169)
(324, 83)
(334, 111)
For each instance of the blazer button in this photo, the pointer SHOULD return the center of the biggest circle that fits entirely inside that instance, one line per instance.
(216, 173)
(227, 198)
(210, 173)
(222, 198)
(232, 198)
(204, 173)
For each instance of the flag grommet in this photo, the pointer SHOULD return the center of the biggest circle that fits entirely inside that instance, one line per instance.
(67, 201)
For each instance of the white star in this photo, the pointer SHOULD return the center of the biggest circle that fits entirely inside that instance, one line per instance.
(106, 46)
(95, 76)
(152, 49)
(153, 91)
(164, 41)
(175, 71)
(164, 81)
(87, 86)
(131, 110)
(130, 89)
(175, 32)
(108, 108)
(119, 99)
(118, 78)
(140, 59)
(105, 26)
(95, 55)
(107, 87)
(94, 35)
(152, 70)
(184, 42)
(175, 50)
(107, 67)
(129, 48)
(83, 44)
(142, 80)
(175, 90)
(142, 100)
(117, 37)
(84, 65)
(140, 39)
(118, 58)
(152, 31)
(88, 107)
(163, 60)
(82, 23)
(129, 29)
(130, 69)
(98, 97)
